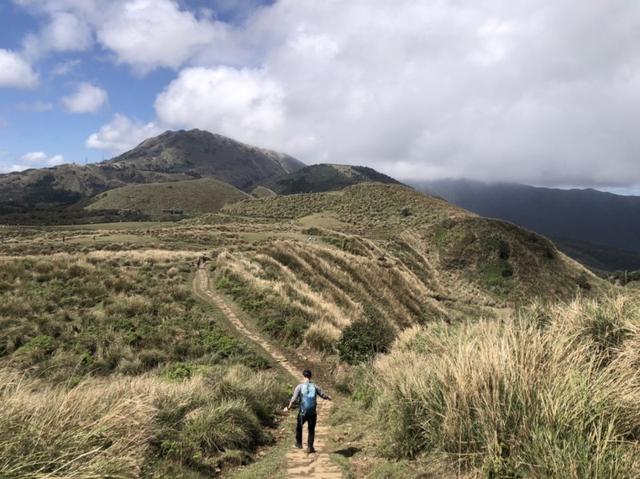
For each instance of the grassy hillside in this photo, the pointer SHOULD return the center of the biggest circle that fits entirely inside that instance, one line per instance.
(319, 178)
(262, 192)
(205, 195)
(99, 319)
(107, 356)
(385, 251)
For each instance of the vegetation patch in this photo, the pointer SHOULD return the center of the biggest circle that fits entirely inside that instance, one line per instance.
(76, 316)
(136, 427)
(364, 338)
(277, 318)
(552, 393)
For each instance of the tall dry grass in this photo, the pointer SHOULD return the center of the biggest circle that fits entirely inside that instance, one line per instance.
(123, 426)
(554, 392)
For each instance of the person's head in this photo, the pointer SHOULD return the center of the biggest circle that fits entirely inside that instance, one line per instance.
(307, 374)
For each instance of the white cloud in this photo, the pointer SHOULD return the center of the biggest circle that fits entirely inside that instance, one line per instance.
(243, 103)
(34, 159)
(63, 33)
(155, 33)
(40, 158)
(11, 168)
(121, 134)
(3, 123)
(15, 71)
(87, 98)
(540, 92)
(519, 91)
(35, 107)
(66, 67)
(145, 34)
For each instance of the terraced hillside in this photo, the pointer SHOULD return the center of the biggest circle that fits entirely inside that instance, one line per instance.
(384, 251)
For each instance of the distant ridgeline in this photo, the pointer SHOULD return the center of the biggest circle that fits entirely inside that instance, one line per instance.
(597, 228)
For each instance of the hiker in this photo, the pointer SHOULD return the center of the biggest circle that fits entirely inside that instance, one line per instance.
(307, 393)
(201, 261)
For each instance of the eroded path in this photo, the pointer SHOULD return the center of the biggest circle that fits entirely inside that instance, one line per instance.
(300, 465)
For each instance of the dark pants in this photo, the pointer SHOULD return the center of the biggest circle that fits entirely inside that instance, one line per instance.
(310, 419)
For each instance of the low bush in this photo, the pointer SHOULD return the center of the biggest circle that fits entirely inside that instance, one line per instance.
(366, 337)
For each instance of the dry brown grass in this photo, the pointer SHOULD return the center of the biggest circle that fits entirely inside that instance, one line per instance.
(121, 426)
(554, 392)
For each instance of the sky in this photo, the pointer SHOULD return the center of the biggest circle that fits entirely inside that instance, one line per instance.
(544, 92)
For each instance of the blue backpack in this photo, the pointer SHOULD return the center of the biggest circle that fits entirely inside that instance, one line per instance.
(308, 396)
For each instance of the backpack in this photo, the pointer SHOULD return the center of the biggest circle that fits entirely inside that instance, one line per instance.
(308, 396)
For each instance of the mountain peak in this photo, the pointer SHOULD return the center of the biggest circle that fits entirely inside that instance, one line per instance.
(170, 156)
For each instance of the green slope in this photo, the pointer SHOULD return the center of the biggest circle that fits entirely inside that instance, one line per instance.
(191, 197)
(325, 177)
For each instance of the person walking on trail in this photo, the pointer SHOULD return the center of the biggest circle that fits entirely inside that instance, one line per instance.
(306, 392)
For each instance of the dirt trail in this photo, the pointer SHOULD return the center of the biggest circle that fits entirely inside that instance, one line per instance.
(299, 464)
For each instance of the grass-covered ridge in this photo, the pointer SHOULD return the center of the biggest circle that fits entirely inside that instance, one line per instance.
(205, 195)
(325, 177)
(386, 249)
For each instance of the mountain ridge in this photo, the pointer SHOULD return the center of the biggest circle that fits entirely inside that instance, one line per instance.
(325, 177)
(598, 227)
(171, 156)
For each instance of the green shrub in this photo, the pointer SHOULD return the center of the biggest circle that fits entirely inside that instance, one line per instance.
(227, 425)
(364, 338)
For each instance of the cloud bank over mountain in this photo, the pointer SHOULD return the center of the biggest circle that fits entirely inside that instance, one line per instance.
(537, 92)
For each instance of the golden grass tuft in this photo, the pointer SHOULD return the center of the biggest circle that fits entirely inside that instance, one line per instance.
(551, 393)
(119, 426)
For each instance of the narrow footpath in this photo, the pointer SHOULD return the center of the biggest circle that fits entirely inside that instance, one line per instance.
(300, 465)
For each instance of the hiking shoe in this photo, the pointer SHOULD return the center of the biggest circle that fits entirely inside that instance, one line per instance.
(298, 446)
(311, 450)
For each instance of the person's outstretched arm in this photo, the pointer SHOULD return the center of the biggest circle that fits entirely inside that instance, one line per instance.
(294, 398)
(322, 394)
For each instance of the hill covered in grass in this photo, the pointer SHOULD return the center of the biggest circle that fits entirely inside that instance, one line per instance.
(187, 198)
(122, 372)
(97, 320)
(552, 391)
(374, 252)
(325, 177)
